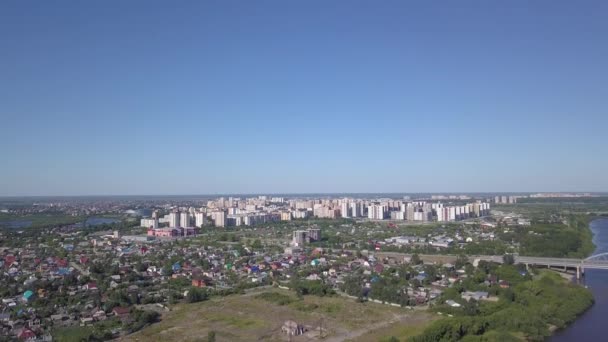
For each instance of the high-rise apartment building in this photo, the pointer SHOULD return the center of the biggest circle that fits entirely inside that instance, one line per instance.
(376, 212)
(345, 209)
(355, 209)
(219, 218)
(314, 234)
(200, 219)
(184, 219)
(300, 237)
(149, 223)
(174, 219)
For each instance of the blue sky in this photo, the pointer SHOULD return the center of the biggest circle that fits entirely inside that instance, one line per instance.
(203, 97)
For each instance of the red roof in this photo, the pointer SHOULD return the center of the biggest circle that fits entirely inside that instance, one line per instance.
(26, 334)
(9, 259)
(121, 311)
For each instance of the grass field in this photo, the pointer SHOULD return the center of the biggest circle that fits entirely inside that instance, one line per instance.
(72, 334)
(252, 317)
(78, 333)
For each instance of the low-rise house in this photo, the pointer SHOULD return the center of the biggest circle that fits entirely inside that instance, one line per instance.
(99, 315)
(26, 334)
(28, 296)
(4, 317)
(87, 320)
(121, 312)
(33, 323)
(200, 282)
(477, 295)
(59, 317)
(90, 287)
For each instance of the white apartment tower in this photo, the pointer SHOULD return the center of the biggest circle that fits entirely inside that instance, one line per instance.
(355, 210)
(344, 209)
(173, 219)
(219, 218)
(199, 219)
(375, 212)
(184, 219)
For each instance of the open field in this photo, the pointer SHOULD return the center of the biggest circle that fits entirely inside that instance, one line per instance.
(250, 318)
(72, 334)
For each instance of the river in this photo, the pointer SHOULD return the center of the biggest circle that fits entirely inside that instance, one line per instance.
(590, 326)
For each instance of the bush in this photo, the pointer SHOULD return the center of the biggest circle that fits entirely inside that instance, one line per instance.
(196, 295)
(312, 287)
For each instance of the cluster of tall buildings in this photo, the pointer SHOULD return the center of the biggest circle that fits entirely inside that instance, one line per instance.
(186, 218)
(234, 211)
(505, 199)
(460, 212)
(400, 210)
(224, 212)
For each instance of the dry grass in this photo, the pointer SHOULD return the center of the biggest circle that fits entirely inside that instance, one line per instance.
(246, 318)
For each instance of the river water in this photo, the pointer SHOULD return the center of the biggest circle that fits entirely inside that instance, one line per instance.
(590, 326)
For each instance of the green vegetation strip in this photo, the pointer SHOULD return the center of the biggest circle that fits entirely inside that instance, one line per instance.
(530, 309)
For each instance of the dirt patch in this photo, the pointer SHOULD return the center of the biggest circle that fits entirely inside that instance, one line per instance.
(247, 318)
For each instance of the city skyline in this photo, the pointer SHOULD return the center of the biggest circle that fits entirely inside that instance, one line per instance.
(145, 98)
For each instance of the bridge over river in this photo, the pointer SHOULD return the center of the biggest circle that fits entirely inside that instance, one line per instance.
(598, 261)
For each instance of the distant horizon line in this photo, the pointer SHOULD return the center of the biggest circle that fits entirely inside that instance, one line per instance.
(315, 193)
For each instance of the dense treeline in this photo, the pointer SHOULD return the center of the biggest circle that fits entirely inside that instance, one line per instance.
(571, 240)
(311, 287)
(530, 308)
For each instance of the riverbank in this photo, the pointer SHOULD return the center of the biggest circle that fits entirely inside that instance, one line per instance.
(590, 325)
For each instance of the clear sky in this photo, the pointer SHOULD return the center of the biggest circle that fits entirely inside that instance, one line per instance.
(203, 97)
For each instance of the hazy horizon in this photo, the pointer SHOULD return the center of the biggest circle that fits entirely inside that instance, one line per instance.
(487, 193)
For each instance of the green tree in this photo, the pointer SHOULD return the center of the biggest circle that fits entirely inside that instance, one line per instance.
(416, 259)
(508, 259)
(196, 295)
(257, 244)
